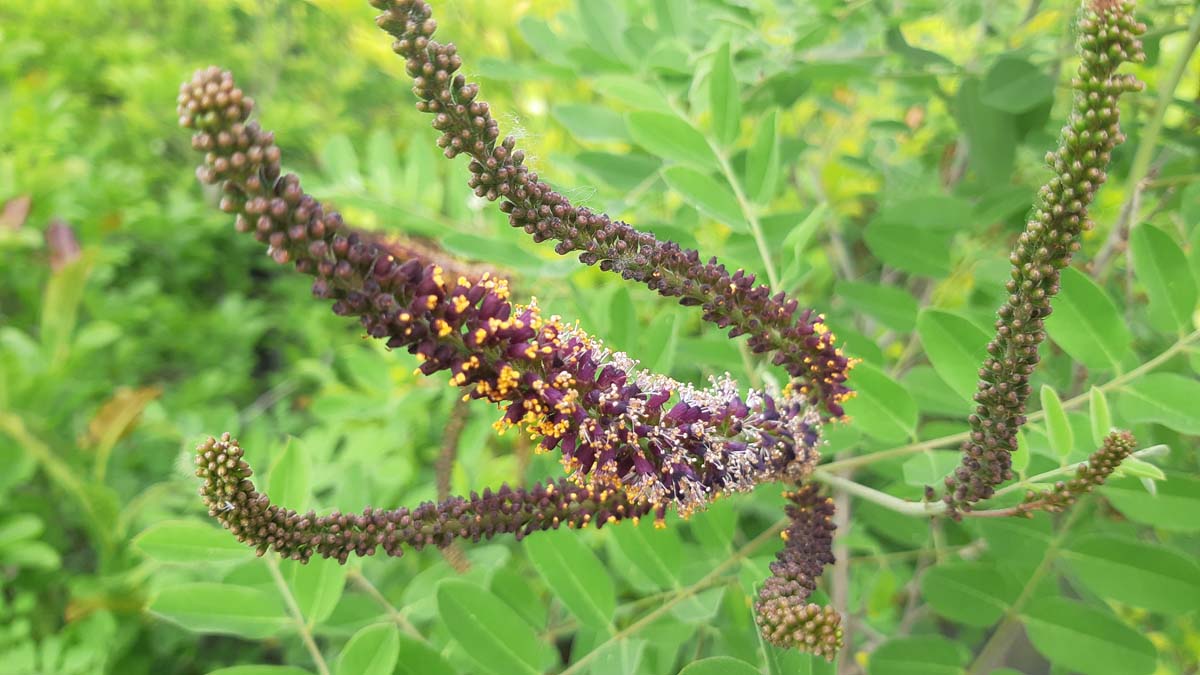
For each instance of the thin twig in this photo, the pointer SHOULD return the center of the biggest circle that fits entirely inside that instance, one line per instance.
(302, 627)
(839, 582)
(1071, 403)
(994, 648)
(931, 509)
(364, 584)
(444, 471)
(683, 594)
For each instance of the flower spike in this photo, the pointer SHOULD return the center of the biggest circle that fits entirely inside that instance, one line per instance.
(800, 341)
(615, 424)
(1108, 37)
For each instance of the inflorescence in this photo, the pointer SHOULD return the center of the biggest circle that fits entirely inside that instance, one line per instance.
(1108, 37)
(232, 499)
(1117, 446)
(615, 424)
(785, 616)
(801, 342)
(633, 442)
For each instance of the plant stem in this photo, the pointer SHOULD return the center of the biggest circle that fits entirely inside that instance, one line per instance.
(61, 474)
(930, 509)
(998, 642)
(681, 595)
(748, 212)
(1180, 346)
(364, 584)
(1147, 142)
(289, 600)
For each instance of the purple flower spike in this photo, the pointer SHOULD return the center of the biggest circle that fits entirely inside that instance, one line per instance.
(669, 443)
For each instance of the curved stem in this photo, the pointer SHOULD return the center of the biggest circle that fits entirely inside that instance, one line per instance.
(359, 579)
(930, 509)
(289, 600)
(1180, 346)
(683, 594)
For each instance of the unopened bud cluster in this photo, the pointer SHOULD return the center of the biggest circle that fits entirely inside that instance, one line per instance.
(1108, 37)
(800, 341)
(233, 500)
(615, 424)
(786, 617)
(1101, 464)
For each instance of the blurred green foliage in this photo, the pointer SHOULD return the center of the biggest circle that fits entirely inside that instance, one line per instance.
(888, 152)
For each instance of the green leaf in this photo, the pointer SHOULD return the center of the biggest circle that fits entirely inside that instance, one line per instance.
(606, 24)
(892, 306)
(30, 554)
(792, 662)
(490, 632)
(1132, 466)
(575, 575)
(191, 542)
(763, 160)
(261, 670)
(249, 613)
(973, 593)
(657, 554)
(724, 97)
(1014, 85)
(991, 134)
(1175, 507)
(1162, 267)
(909, 248)
(671, 137)
(542, 38)
(798, 239)
(623, 322)
(619, 656)
(929, 467)
(418, 658)
(317, 586)
(383, 164)
(1100, 418)
(1086, 324)
(715, 526)
(1020, 458)
(624, 172)
(60, 307)
(1058, 427)
(713, 198)
(1136, 573)
(20, 527)
(719, 665)
(340, 162)
(1081, 638)
(883, 407)
(373, 650)
(290, 477)
(631, 91)
(925, 655)
(955, 347)
(591, 122)
(1169, 399)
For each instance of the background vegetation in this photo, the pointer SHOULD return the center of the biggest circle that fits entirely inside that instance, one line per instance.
(887, 153)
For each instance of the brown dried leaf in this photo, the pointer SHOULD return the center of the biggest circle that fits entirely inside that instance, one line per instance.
(15, 212)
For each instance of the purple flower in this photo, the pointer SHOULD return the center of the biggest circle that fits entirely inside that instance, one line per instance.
(614, 423)
(800, 341)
